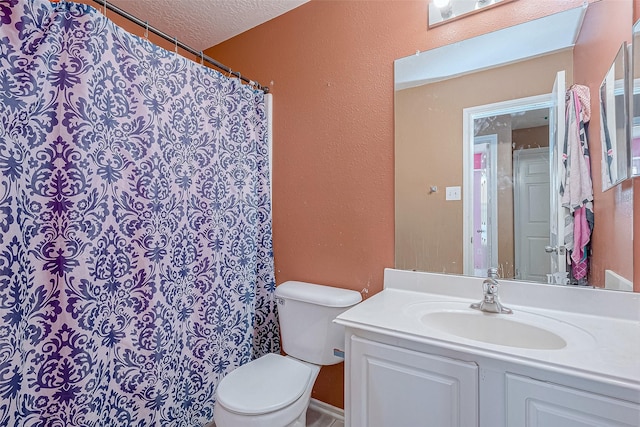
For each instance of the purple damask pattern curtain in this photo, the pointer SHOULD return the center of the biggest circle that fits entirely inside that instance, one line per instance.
(136, 264)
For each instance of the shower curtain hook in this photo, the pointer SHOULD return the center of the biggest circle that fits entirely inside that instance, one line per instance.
(201, 58)
(105, 8)
(176, 41)
(146, 30)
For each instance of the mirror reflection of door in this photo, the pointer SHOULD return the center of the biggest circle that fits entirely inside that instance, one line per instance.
(531, 191)
(516, 141)
(485, 236)
(557, 212)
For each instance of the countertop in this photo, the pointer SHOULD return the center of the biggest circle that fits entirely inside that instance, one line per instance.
(604, 346)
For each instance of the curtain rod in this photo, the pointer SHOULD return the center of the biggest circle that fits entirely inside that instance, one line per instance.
(165, 36)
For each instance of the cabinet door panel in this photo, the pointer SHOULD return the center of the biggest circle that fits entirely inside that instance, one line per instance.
(396, 387)
(532, 403)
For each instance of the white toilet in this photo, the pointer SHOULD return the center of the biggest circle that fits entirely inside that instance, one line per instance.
(275, 390)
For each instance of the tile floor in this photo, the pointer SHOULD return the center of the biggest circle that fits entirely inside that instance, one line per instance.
(318, 419)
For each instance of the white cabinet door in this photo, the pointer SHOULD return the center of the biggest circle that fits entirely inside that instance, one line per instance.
(532, 403)
(397, 387)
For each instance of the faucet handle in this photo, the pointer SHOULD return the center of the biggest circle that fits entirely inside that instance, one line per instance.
(492, 289)
(492, 272)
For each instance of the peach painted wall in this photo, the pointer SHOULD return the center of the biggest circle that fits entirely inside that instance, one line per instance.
(330, 67)
(531, 137)
(603, 45)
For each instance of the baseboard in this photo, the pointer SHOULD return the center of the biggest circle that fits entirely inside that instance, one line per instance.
(325, 408)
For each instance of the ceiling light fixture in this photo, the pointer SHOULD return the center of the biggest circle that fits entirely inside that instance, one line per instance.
(444, 7)
(482, 3)
(441, 3)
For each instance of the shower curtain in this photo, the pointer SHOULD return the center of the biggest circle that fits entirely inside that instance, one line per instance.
(136, 264)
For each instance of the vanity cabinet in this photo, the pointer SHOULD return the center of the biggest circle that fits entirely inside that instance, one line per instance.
(393, 386)
(532, 403)
(393, 382)
(416, 355)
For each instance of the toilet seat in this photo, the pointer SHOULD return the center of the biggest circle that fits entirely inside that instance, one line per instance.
(264, 385)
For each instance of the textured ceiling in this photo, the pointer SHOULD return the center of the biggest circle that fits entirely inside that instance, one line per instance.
(205, 23)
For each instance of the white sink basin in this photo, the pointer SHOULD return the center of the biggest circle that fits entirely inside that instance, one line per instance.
(521, 329)
(494, 329)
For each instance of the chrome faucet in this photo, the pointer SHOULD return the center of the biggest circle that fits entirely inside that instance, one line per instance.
(491, 301)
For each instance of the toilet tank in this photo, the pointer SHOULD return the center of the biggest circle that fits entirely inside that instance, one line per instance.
(306, 312)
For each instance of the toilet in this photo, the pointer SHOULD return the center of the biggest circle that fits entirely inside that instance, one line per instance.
(275, 390)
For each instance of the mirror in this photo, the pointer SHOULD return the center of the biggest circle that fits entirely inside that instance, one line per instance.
(614, 122)
(634, 65)
(433, 88)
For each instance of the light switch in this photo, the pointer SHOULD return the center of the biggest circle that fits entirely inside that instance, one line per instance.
(453, 193)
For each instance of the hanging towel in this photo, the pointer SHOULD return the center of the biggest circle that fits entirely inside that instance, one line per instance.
(584, 98)
(581, 238)
(576, 187)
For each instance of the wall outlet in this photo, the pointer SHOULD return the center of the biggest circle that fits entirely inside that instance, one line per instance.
(454, 193)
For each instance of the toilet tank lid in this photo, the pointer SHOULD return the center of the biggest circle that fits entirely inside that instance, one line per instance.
(318, 294)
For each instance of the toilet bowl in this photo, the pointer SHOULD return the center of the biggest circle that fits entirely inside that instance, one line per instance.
(275, 390)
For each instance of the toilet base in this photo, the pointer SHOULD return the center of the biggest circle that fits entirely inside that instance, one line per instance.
(224, 418)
